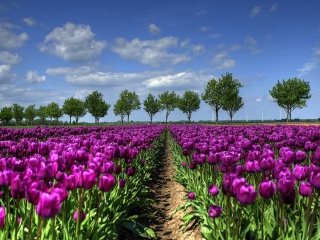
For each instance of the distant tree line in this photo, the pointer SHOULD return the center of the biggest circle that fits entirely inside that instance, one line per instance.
(218, 94)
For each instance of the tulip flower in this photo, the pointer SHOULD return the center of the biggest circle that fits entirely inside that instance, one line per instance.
(267, 189)
(213, 190)
(246, 194)
(2, 216)
(305, 189)
(121, 183)
(286, 183)
(300, 172)
(76, 216)
(191, 196)
(49, 205)
(130, 171)
(107, 182)
(214, 211)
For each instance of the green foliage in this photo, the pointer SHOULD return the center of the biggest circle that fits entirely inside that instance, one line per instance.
(18, 113)
(30, 113)
(291, 94)
(168, 102)
(151, 106)
(230, 99)
(53, 111)
(189, 103)
(6, 115)
(212, 96)
(42, 113)
(96, 106)
(74, 108)
(118, 109)
(129, 101)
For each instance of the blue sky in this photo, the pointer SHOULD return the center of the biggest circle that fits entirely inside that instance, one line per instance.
(53, 50)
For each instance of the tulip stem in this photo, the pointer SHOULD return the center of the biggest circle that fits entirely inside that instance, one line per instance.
(307, 216)
(97, 213)
(30, 221)
(262, 218)
(80, 212)
(53, 230)
(7, 213)
(228, 213)
(313, 216)
(16, 222)
(40, 228)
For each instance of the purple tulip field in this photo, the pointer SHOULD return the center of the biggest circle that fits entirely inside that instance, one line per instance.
(250, 182)
(75, 183)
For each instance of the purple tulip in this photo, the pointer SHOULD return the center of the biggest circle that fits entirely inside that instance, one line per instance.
(267, 189)
(32, 192)
(121, 183)
(191, 196)
(300, 172)
(246, 194)
(89, 179)
(183, 164)
(213, 190)
(130, 171)
(107, 182)
(82, 216)
(214, 211)
(2, 216)
(267, 163)
(300, 156)
(192, 165)
(305, 189)
(286, 183)
(49, 205)
(288, 156)
(237, 183)
(315, 178)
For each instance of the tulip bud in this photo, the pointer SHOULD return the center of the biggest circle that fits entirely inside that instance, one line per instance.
(107, 182)
(246, 194)
(267, 189)
(82, 216)
(214, 211)
(49, 205)
(121, 183)
(305, 189)
(191, 196)
(213, 190)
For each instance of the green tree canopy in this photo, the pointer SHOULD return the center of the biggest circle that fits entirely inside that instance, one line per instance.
(189, 103)
(212, 96)
(53, 111)
(129, 102)
(6, 115)
(119, 109)
(74, 107)
(30, 113)
(168, 102)
(96, 106)
(291, 94)
(151, 106)
(42, 113)
(18, 113)
(231, 102)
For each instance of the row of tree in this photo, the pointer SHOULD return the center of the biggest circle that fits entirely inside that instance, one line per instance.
(219, 94)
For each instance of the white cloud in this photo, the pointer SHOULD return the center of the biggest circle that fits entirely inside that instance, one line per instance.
(252, 45)
(222, 61)
(150, 52)
(216, 35)
(235, 47)
(33, 77)
(204, 29)
(274, 7)
(270, 98)
(10, 59)
(30, 22)
(198, 49)
(6, 76)
(89, 76)
(73, 43)
(81, 94)
(317, 52)
(259, 99)
(9, 40)
(255, 11)
(307, 67)
(153, 29)
(179, 81)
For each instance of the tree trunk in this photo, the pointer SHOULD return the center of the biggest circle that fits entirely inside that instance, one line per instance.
(128, 118)
(151, 119)
(167, 115)
(217, 115)
(70, 119)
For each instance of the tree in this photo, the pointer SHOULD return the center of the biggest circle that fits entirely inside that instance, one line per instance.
(30, 113)
(291, 94)
(129, 102)
(151, 106)
(42, 113)
(231, 102)
(74, 108)
(17, 112)
(118, 109)
(53, 111)
(189, 103)
(212, 96)
(168, 102)
(96, 106)
(6, 115)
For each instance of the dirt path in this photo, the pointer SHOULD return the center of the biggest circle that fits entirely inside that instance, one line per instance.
(169, 195)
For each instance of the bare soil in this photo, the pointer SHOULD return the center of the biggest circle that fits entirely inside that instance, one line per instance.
(169, 195)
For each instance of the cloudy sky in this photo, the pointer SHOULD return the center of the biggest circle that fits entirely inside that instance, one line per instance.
(53, 50)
